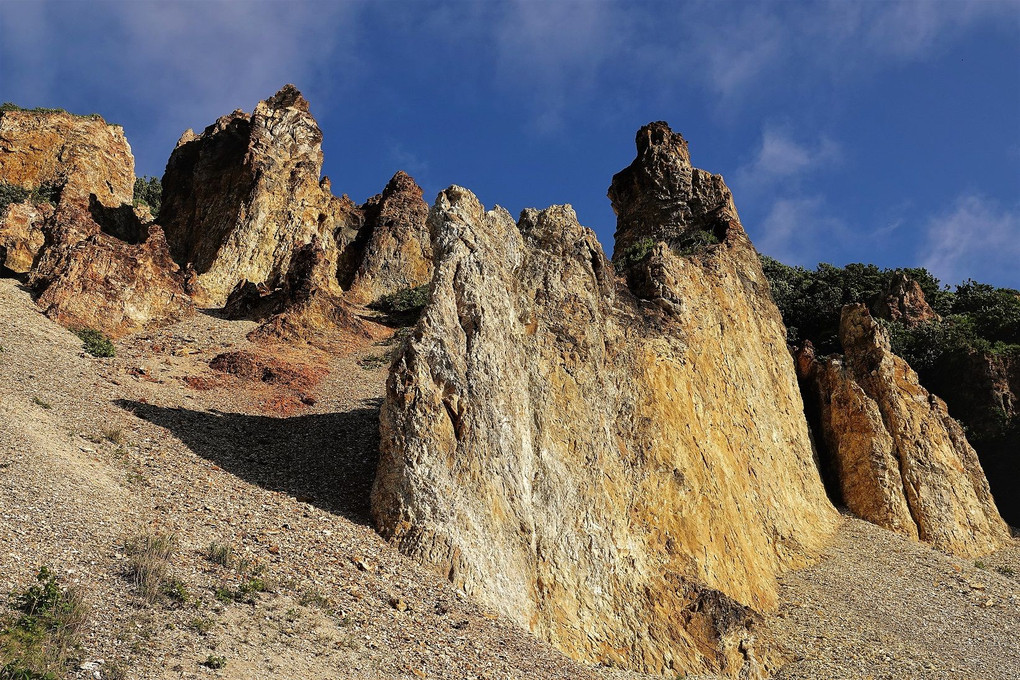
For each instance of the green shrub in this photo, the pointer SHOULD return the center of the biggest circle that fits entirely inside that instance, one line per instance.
(36, 639)
(215, 662)
(405, 306)
(13, 193)
(95, 343)
(635, 253)
(694, 241)
(11, 106)
(149, 191)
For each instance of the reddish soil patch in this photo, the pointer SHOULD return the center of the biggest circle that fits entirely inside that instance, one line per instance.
(269, 370)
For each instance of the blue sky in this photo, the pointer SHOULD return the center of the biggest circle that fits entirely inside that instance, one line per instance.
(884, 132)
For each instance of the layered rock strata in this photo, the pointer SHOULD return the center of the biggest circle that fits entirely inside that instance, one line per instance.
(623, 474)
(243, 196)
(902, 462)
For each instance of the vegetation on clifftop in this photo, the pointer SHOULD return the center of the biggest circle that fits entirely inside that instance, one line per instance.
(975, 316)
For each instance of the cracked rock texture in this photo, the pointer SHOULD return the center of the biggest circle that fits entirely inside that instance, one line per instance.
(902, 462)
(623, 474)
(22, 234)
(78, 155)
(243, 196)
(903, 301)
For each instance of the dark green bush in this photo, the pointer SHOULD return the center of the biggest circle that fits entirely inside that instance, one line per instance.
(149, 191)
(405, 306)
(12, 193)
(35, 642)
(635, 253)
(11, 106)
(95, 343)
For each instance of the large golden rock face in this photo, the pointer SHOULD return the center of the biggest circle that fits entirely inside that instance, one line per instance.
(91, 258)
(80, 154)
(622, 469)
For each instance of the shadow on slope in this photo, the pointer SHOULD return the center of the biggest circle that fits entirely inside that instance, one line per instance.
(327, 459)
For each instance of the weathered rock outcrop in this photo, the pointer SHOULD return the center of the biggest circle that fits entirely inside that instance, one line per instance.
(982, 390)
(87, 278)
(76, 156)
(902, 461)
(91, 260)
(625, 477)
(58, 158)
(308, 308)
(242, 197)
(397, 252)
(903, 301)
(22, 234)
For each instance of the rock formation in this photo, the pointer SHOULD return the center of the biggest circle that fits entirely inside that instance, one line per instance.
(308, 308)
(91, 261)
(87, 278)
(397, 252)
(242, 197)
(624, 475)
(982, 390)
(902, 462)
(22, 234)
(77, 156)
(903, 301)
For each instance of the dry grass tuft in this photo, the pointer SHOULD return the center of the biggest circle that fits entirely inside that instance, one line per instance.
(149, 562)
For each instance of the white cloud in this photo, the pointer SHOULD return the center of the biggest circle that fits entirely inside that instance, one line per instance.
(554, 52)
(799, 230)
(176, 64)
(976, 238)
(781, 158)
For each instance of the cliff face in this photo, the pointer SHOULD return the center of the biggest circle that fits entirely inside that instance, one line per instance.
(624, 475)
(60, 158)
(982, 390)
(242, 197)
(78, 156)
(902, 461)
(90, 258)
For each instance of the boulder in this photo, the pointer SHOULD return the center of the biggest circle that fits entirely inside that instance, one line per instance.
(624, 474)
(243, 196)
(902, 462)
